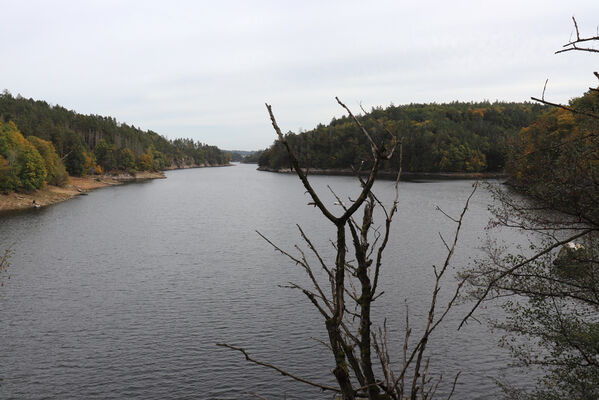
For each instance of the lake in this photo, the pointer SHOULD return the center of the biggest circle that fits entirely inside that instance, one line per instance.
(125, 292)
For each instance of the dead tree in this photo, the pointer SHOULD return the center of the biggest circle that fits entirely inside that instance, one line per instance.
(345, 301)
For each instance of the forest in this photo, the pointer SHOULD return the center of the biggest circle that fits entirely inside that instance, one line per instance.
(453, 137)
(34, 131)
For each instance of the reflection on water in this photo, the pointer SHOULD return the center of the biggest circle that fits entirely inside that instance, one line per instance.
(124, 293)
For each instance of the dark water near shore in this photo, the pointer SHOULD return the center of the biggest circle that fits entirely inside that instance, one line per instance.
(124, 293)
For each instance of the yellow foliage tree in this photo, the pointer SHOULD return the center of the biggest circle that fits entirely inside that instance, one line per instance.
(145, 162)
(56, 172)
(24, 167)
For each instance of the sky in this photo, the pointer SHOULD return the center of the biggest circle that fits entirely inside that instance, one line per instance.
(204, 69)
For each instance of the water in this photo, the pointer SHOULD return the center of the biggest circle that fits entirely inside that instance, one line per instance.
(125, 292)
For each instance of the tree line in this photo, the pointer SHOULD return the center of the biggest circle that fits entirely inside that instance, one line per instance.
(35, 133)
(453, 137)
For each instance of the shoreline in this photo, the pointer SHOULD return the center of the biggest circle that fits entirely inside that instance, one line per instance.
(407, 176)
(175, 167)
(80, 186)
(76, 186)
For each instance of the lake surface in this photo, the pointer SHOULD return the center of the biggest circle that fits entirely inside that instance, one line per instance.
(125, 292)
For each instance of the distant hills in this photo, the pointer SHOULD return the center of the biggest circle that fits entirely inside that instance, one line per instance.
(239, 155)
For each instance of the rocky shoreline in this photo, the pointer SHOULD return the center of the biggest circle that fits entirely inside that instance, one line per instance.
(76, 186)
(406, 176)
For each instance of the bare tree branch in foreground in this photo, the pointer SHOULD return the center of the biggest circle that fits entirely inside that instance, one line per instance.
(345, 298)
(573, 45)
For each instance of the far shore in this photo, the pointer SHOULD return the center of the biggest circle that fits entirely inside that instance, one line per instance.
(408, 176)
(174, 167)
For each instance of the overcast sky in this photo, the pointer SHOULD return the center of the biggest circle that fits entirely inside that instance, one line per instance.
(203, 69)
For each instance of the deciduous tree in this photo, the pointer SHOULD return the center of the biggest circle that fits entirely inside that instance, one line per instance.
(553, 285)
(57, 174)
(126, 159)
(21, 167)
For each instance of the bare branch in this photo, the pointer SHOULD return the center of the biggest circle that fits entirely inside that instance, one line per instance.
(573, 110)
(389, 219)
(430, 326)
(256, 395)
(508, 271)
(281, 371)
(277, 248)
(444, 242)
(455, 380)
(573, 44)
(298, 170)
(444, 213)
(375, 149)
(313, 279)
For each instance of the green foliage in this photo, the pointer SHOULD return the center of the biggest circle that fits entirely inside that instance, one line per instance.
(189, 152)
(75, 159)
(74, 135)
(235, 156)
(105, 155)
(253, 157)
(32, 170)
(555, 326)
(552, 319)
(126, 159)
(455, 137)
(21, 165)
(159, 160)
(57, 174)
(145, 162)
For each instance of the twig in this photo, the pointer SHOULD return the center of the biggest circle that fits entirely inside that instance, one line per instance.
(282, 372)
(573, 110)
(505, 273)
(453, 386)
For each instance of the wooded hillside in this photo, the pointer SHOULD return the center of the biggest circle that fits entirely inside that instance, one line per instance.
(84, 142)
(454, 137)
(556, 159)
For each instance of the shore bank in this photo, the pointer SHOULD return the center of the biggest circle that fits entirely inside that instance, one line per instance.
(407, 176)
(174, 166)
(76, 186)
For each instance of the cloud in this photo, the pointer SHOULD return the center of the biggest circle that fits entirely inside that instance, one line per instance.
(204, 70)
